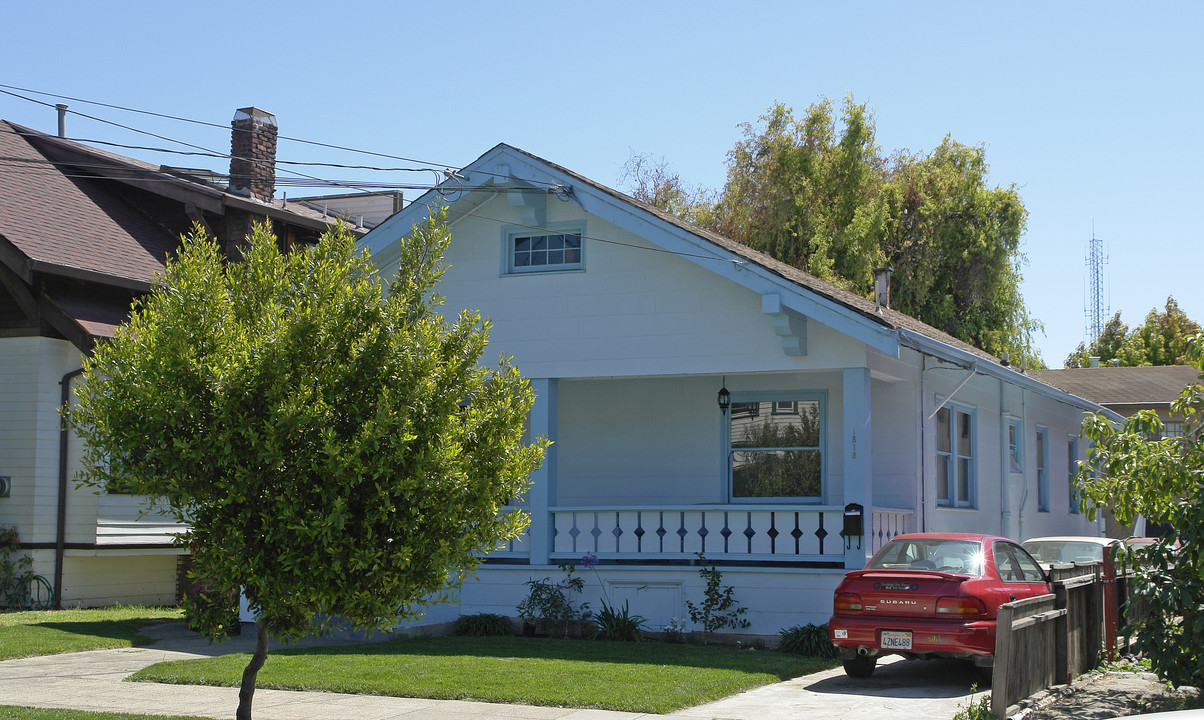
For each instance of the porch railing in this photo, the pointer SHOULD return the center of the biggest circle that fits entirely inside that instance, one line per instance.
(746, 531)
(755, 533)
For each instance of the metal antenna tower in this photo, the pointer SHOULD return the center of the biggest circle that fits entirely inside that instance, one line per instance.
(1097, 310)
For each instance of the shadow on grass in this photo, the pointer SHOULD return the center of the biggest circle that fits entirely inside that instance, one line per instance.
(780, 665)
(123, 630)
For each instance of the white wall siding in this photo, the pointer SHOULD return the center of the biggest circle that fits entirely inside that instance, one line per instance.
(896, 445)
(99, 581)
(632, 311)
(994, 404)
(657, 440)
(31, 369)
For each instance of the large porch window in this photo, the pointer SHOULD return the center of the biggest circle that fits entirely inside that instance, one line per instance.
(776, 447)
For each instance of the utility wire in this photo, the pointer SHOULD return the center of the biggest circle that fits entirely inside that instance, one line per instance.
(168, 139)
(6, 89)
(217, 125)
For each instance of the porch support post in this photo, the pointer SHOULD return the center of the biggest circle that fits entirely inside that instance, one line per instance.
(858, 461)
(542, 495)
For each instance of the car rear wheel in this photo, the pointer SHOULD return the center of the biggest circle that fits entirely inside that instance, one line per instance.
(861, 666)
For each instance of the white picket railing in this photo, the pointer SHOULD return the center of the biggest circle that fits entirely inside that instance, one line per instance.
(751, 532)
(755, 533)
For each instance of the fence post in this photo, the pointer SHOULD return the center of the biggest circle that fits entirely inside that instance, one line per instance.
(1003, 651)
(1110, 612)
(1062, 634)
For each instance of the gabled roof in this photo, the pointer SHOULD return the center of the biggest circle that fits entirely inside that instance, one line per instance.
(505, 168)
(55, 219)
(1113, 386)
(82, 230)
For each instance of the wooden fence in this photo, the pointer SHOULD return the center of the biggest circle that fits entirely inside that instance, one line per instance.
(1051, 639)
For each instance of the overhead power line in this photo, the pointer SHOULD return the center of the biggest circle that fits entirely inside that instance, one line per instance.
(302, 179)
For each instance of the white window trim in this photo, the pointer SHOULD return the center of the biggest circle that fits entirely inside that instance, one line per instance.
(953, 502)
(817, 396)
(510, 232)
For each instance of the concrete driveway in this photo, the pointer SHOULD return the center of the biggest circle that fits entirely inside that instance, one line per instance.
(899, 689)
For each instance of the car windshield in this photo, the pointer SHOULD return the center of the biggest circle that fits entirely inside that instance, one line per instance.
(1064, 551)
(964, 557)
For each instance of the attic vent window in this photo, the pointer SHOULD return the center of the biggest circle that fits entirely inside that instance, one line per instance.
(529, 252)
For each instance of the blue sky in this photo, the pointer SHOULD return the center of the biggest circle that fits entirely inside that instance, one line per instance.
(1092, 109)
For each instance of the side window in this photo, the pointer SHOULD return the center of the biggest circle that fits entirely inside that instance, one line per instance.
(1042, 453)
(1015, 447)
(1015, 566)
(1072, 468)
(956, 482)
(556, 249)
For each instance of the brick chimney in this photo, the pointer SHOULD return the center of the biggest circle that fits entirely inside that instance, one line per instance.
(882, 288)
(253, 153)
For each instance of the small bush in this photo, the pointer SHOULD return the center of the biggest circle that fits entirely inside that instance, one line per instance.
(811, 640)
(980, 710)
(15, 572)
(719, 608)
(552, 606)
(484, 625)
(615, 624)
(675, 631)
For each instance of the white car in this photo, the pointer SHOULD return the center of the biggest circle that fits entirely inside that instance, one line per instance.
(1061, 550)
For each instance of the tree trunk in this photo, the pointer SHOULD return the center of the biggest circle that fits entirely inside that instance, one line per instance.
(247, 691)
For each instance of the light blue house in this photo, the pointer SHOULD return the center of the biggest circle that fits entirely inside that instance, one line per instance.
(635, 327)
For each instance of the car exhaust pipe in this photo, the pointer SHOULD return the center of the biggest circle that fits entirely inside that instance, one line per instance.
(863, 650)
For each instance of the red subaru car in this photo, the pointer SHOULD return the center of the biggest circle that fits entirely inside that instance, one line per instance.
(928, 595)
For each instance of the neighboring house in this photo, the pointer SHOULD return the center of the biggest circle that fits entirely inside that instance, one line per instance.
(82, 233)
(364, 210)
(633, 325)
(1126, 390)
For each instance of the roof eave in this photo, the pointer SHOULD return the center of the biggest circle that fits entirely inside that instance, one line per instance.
(992, 369)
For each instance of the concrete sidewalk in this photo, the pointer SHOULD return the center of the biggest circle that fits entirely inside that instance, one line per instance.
(94, 681)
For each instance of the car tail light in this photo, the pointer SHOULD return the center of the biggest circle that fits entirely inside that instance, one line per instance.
(847, 602)
(960, 606)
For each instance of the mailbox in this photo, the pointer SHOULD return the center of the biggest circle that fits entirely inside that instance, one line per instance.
(854, 523)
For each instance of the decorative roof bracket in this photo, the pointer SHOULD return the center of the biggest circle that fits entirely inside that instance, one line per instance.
(788, 324)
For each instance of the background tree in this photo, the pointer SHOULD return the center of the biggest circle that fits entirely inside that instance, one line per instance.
(1161, 340)
(336, 451)
(652, 181)
(1162, 480)
(827, 200)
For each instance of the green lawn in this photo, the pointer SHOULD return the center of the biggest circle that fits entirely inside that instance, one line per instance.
(13, 712)
(648, 677)
(49, 632)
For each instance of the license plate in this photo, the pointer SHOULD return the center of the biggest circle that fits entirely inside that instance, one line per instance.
(895, 640)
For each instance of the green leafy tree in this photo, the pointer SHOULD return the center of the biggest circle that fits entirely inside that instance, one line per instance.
(1163, 480)
(337, 451)
(818, 193)
(1161, 340)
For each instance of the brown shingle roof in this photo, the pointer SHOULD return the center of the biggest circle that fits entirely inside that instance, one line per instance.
(70, 222)
(1122, 385)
